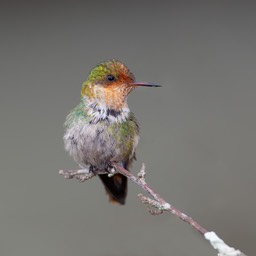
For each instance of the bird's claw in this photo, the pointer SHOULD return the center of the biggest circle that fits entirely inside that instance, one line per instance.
(111, 170)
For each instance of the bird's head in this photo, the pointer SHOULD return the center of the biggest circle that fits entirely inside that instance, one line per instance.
(110, 82)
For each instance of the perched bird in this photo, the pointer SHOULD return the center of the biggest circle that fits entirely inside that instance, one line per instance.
(101, 128)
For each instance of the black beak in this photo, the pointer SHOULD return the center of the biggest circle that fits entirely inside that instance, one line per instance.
(145, 84)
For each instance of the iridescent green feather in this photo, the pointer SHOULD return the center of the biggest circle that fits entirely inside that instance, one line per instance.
(125, 134)
(78, 113)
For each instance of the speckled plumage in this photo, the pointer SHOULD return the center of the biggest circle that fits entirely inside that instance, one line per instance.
(96, 143)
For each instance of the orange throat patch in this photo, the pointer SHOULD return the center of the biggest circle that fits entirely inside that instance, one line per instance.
(112, 96)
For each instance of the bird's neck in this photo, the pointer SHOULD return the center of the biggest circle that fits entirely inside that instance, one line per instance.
(100, 110)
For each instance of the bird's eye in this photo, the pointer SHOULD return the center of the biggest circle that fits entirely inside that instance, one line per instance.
(111, 78)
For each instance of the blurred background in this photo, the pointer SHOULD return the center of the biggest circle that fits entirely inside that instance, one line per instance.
(197, 132)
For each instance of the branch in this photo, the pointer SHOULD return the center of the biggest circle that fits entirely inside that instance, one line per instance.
(157, 205)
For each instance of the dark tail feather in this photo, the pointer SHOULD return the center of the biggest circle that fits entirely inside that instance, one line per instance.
(116, 187)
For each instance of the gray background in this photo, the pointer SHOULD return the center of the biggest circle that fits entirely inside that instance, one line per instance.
(197, 132)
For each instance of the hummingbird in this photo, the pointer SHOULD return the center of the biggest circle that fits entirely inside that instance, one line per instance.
(101, 128)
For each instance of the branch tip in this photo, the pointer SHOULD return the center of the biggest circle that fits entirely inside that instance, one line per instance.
(142, 173)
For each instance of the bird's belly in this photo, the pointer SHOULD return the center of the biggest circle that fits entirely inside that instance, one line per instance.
(94, 145)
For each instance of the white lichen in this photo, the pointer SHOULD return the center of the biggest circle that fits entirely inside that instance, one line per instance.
(220, 245)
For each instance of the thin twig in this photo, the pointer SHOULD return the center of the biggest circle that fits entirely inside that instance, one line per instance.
(157, 205)
(162, 204)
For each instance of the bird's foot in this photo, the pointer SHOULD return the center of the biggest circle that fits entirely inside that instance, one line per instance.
(111, 170)
(93, 169)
